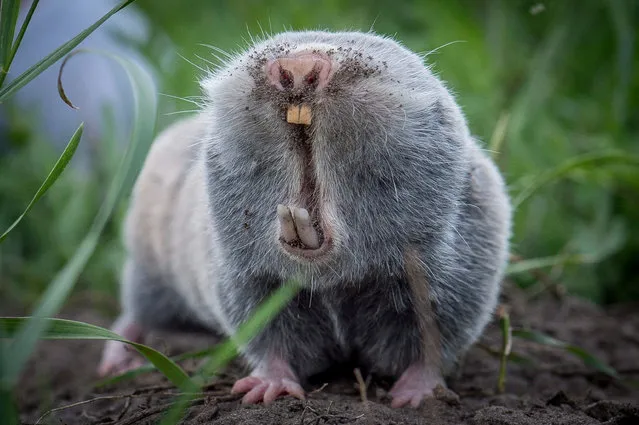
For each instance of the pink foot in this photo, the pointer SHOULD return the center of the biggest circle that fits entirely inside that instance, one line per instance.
(416, 383)
(118, 357)
(267, 382)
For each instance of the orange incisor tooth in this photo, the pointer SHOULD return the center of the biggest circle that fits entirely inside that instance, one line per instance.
(299, 114)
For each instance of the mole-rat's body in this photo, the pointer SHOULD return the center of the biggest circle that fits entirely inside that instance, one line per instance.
(385, 207)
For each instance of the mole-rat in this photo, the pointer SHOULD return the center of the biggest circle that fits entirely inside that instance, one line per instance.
(338, 159)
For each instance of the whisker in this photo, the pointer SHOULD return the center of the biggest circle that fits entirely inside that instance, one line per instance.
(372, 29)
(215, 66)
(182, 112)
(206, 71)
(248, 31)
(436, 49)
(185, 99)
(217, 49)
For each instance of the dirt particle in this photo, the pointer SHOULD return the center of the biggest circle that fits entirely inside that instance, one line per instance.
(607, 410)
(560, 398)
(207, 415)
(447, 396)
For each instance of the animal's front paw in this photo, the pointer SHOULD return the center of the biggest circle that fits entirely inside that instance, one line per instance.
(416, 383)
(267, 382)
(118, 358)
(266, 389)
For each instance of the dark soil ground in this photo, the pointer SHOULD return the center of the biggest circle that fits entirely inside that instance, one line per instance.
(557, 389)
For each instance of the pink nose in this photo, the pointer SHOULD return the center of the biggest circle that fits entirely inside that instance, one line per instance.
(299, 71)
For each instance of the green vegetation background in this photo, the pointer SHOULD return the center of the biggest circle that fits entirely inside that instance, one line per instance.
(540, 83)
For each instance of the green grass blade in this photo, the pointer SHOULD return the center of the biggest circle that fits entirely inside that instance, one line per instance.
(582, 354)
(58, 168)
(70, 329)
(621, 13)
(146, 101)
(126, 376)
(57, 54)
(524, 266)
(506, 333)
(20, 36)
(499, 135)
(9, 11)
(8, 408)
(582, 161)
(258, 320)
(145, 111)
(228, 350)
(130, 374)
(513, 357)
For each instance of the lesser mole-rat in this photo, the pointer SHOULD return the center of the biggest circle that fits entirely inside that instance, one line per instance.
(342, 161)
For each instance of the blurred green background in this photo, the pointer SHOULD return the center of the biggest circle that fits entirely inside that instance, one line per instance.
(540, 82)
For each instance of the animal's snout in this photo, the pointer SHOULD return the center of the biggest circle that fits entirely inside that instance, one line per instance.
(301, 71)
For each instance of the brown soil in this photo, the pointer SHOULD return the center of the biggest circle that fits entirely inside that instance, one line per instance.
(557, 389)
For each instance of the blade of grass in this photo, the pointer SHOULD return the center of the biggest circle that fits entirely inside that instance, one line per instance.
(149, 368)
(145, 111)
(143, 91)
(8, 408)
(228, 350)
(18, 40)
(7, 403)
(524, 266)
(506, 333)
(539, 83)
(579, 352)
(512, 357)
(70, 329)
(61, 91)
(58, 168)
(578, 162)
(621, 15)
(262, 316)
(9, 11)
(57, 54)
(499, 135)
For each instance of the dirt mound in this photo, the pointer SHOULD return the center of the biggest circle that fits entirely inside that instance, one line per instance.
(557, 389)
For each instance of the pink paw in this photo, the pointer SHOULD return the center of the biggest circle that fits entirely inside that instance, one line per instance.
(118, 358)
(416, 383)
(266, 389)
(268, 381)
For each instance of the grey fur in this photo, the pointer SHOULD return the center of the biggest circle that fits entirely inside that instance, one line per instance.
(396, 169)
